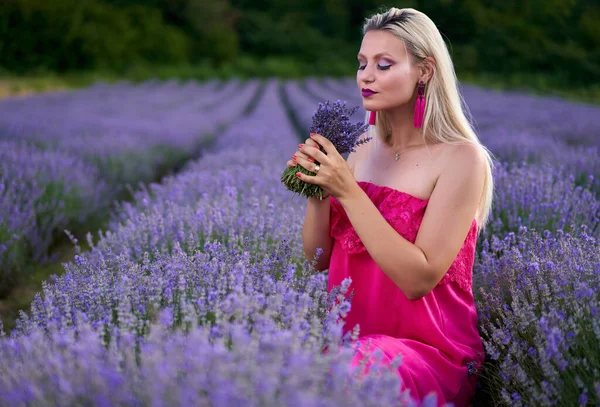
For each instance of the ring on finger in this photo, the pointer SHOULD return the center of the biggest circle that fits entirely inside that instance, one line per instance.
(317, 168)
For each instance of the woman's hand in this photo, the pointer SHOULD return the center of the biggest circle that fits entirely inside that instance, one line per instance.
(300, 155)
(334, 175)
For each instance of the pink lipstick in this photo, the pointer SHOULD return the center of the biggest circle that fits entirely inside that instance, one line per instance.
(366, 92)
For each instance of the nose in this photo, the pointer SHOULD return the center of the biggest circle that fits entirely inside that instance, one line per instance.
(366, 75)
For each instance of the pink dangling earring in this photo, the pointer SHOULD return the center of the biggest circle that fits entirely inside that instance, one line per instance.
(372, 118)
(420, 105)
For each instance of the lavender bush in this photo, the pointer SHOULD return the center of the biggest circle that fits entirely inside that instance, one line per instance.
(541, 197)
(41, 192)
(582, 161)
(332, 121)
(538, 297)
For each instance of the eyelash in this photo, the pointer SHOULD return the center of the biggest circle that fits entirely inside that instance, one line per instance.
(381, 68)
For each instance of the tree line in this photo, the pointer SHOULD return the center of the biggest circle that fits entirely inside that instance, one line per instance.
(552, 36)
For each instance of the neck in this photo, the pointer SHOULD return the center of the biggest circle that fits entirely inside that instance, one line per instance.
(404, 134)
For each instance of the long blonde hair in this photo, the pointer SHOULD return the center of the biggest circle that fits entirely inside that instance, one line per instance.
(445, 111)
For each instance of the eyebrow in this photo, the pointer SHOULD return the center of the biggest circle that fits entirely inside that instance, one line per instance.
(377, 55)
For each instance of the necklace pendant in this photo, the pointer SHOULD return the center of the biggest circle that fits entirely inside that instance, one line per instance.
(397, 156)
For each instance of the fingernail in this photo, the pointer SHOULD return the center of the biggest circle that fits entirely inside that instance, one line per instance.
(312, 134)
(300, 145)
(294, 156)
(294, 161)
(298, 174)
(312, 160)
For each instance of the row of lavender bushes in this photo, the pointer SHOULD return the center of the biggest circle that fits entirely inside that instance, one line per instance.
(199, 292)
(66, 156)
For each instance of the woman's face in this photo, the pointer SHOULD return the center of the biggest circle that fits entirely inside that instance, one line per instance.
(385, 68)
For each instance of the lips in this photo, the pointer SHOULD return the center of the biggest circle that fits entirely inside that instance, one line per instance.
(368, 92)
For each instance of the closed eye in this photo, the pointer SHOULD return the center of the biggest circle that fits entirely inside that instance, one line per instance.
(380, 67)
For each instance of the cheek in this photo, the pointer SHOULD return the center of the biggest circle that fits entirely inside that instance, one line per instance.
(399, 86)
(399, 89)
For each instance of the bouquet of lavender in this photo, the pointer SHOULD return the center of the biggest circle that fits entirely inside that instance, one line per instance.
(331, 121)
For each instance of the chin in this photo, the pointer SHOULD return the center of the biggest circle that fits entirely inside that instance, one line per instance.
(368, 105)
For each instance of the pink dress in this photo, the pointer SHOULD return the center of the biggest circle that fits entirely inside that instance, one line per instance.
(437, 335)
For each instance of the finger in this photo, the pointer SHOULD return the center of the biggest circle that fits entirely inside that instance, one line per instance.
(306, 163)
(309, 141)
(300, 154)
(327, 145)
(310, 179)
(314, 153)
(290, 164)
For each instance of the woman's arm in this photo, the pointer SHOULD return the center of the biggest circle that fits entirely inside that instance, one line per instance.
(317, 225)
(315, 232)
(417, 268)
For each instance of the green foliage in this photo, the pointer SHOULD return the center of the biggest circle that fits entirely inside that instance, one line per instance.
(211, 26)
(66, 35)
(554, 37)
(288, 35)
(224, 38)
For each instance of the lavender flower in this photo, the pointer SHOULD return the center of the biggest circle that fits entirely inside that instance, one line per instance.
(538, 297)
(332, 121)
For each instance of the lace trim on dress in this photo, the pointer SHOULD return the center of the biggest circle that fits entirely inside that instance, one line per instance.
(461, 270)
(398, 209)
(404, 212)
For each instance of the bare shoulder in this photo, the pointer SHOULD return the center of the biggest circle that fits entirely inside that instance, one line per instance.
(463, 168)
(463, 158)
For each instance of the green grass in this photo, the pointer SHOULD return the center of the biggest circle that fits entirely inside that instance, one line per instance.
(15, 85)
(22, 294)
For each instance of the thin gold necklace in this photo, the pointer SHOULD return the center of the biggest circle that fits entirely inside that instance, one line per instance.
(407, 148)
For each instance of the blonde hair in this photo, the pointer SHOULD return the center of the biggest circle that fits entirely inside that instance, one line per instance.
(445, 111)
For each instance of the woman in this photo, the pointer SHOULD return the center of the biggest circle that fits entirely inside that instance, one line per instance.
(402, 214)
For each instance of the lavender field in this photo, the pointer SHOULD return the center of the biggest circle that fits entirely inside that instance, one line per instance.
(65, 157)
(198, 291)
